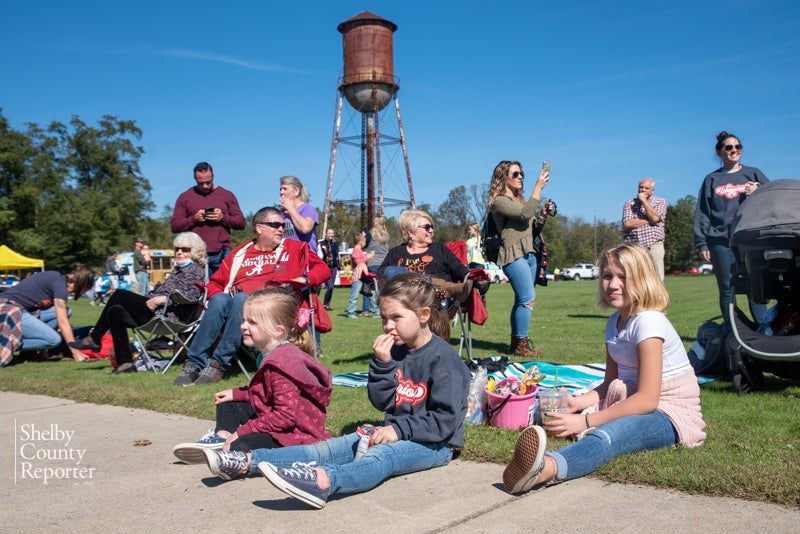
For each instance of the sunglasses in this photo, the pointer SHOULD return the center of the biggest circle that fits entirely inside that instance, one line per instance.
(273, 224)
(518, 174)
(729, 148)
(183, 249)
(426, 227)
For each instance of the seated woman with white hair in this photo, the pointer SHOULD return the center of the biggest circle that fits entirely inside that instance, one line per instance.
(126, 309)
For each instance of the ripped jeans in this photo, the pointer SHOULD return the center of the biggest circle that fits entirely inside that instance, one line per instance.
(615, 438)
(521, 274)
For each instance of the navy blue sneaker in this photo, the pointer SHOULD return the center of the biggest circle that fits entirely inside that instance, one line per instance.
(192, 453)
(298, 481)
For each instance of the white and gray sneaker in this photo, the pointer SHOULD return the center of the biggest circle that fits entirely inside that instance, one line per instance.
(192, 453)
(226, 464)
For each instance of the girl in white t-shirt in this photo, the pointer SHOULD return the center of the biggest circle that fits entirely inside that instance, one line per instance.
(649, 398)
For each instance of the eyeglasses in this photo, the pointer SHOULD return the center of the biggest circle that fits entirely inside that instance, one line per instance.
(183, 249)
(729, 148)
(272, 224)
(518, 174)
(426, 227)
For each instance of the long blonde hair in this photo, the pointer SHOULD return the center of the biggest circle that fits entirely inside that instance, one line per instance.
(642, 281)
(278, 306)
(378, 231)
(497, 184)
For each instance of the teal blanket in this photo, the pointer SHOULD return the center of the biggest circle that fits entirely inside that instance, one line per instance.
(576, 379)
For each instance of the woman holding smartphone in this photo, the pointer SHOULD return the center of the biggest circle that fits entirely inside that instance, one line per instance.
(516, 219)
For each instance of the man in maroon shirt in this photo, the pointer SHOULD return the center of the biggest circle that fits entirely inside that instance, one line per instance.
(211, 212)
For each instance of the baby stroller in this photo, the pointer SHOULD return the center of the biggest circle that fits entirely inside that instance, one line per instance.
(765, 239)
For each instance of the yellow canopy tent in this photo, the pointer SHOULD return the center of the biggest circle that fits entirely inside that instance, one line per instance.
(13, 261)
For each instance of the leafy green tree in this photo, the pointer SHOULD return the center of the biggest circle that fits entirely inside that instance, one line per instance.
(679, 251)
(75, 190)
(453, 215)
(583, 242)
(553, 235)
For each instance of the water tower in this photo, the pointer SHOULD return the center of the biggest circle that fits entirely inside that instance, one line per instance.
(369, 86)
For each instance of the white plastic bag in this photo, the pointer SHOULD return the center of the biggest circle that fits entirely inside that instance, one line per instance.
(476, 402)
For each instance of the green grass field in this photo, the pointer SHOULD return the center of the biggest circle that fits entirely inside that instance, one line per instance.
(753, 445)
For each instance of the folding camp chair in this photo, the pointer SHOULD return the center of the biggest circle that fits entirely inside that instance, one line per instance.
(179, 334)
(471, 311)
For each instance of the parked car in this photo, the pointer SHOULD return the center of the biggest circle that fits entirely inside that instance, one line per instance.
(8, 280)
(496, 274)
(706, 268)
(586, 271)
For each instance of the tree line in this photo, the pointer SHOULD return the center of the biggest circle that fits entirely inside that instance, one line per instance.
(71, 193)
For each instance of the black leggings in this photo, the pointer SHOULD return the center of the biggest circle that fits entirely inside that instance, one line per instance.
(231, 415)
(124, 310)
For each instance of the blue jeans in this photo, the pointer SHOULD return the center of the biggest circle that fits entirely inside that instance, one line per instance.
(214, 260)
(615, 438)
(392, 271)
(329, 285)
(40, 333)
(142, 282)
(355, 289)
(723, 259)
(373, 300)
(369, 303)
(521, 274)
(335, 457)
(223, 319)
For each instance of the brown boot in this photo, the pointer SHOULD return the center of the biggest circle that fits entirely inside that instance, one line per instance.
(458, 291)
(520, 347)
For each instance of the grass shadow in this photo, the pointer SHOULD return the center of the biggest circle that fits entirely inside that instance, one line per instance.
(489, 346)
(366, 357)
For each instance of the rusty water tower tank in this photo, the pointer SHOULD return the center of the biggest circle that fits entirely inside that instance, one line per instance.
(368, 82)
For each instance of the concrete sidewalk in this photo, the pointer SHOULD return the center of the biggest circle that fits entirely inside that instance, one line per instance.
(112, 469)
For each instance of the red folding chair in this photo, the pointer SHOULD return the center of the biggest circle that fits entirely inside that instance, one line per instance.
(474, 309)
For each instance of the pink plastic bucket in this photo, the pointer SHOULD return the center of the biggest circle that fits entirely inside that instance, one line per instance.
(512, 411)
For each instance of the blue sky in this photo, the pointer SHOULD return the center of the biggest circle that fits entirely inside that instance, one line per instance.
(610, 92)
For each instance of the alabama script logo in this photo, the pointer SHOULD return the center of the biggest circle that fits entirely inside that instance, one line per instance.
(729, 190)
(408, 391)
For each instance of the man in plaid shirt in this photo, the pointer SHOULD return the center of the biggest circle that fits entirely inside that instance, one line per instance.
(643, 221)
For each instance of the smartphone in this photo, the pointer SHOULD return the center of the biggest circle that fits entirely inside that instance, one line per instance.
(209, 210)
(546, 166)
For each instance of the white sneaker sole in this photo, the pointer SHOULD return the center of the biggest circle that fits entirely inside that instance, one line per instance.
(527, 461)
(271, 472)
(192, 453)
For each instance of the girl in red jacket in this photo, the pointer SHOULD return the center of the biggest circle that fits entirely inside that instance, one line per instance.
(285, 402)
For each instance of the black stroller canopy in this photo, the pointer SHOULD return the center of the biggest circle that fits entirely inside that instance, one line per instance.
(774, 206)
